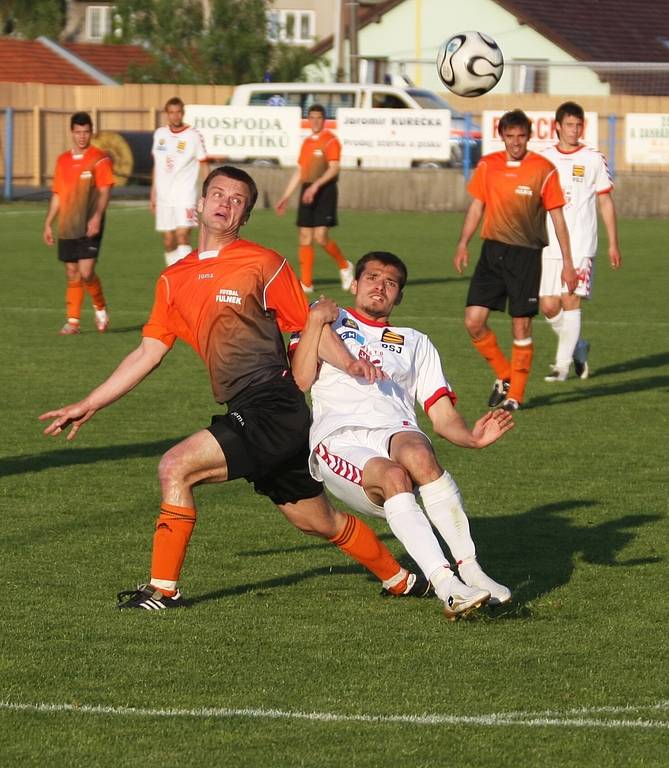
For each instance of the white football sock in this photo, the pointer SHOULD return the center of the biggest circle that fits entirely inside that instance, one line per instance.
(555, 322)
(443, 504)
(568, 337)
(409, 524)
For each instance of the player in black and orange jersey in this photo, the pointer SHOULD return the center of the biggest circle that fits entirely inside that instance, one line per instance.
(317, 173)
(230, 300)
(81, 188)
(512, 192)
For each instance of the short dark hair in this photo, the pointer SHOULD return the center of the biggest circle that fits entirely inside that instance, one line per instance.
(515, 118)
(175, 101)
(81, 118)
(570, 108)
(230, 172)
(316, 108)
(387, 259)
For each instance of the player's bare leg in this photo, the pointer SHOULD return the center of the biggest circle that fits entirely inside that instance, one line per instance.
(316, 516)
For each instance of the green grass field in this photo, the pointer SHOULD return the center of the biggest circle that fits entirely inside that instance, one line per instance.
(288, 656)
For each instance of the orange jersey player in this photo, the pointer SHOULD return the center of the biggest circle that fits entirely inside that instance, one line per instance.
(512, 190)
(81, 188)
(316, 175)
(230, 300)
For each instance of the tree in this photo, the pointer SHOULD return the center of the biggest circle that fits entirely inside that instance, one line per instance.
(231, 48)
(27, 19)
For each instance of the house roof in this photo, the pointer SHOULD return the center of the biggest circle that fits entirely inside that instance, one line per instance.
(599, 30)
(113, 60)
(44, 61)
(30, 61)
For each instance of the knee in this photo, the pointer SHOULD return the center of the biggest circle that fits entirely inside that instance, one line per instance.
(321, 239)
(171, 469)
(475, 327)
(396, 480)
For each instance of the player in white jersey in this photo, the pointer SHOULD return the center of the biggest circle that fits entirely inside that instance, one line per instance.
(585, 179)
(179, 163)
(366, 444)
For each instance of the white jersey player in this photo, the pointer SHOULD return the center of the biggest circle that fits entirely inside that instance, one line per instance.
(179, 160)
(366, 444)
(585, 180)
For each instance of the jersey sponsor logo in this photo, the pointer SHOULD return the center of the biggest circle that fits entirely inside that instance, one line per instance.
(228, 296)
(352, 334)
(239, 418)
(205, 275)
(578, 173)
(523, 190)
(86, 175)
(350, 323)
(390, 337)
(181, 146)
(373, 356)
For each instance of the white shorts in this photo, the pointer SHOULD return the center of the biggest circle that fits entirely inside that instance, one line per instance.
(341, 457)
(171, 217)
(551, 278)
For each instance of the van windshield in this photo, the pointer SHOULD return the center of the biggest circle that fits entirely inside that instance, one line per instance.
(430, 100)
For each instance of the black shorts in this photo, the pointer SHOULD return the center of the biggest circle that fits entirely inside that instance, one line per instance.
(80, 248)
(506, 272)
(323, 211)
(265, 439)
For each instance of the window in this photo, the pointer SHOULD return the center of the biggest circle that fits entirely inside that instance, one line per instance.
(294, 27)
(98, 22)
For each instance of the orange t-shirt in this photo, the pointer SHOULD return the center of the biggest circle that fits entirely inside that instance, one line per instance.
(318, 151)
(76, 181)
(517, 195)
(231, 309)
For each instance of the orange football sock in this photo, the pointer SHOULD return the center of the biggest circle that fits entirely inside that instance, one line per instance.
(521, 362)
(94, 288)
(332, 249)
(359, 541)
(74, 298)
(170, 541)
(488, 348)
(306, 255)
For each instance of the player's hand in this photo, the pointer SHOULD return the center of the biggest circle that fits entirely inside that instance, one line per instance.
(93, 227)
(309, 194)
(461, 260)
(491, 426)
(281, 206)
(324, 310)
(74, 415)
(363, 369)
(570, 277)
(48, 235)
(615, 259)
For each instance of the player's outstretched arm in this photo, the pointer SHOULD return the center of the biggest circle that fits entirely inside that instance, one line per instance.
(449, 424)
(292, 185)
(304, 357)
(133, 369)
(469, 227)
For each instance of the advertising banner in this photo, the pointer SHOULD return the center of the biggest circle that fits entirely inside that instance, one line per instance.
(543, 130)
(647, 139)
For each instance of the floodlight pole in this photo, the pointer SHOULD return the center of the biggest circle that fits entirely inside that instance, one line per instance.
(353, 39)
(9, 152)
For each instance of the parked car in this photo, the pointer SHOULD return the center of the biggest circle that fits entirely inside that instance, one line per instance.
(334, 96)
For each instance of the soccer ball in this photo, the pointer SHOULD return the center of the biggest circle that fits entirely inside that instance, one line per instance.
(470, 64)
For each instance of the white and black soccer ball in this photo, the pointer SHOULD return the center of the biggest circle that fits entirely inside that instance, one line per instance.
(470, 63)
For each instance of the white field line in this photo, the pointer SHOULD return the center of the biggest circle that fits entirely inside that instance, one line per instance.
(522, 719)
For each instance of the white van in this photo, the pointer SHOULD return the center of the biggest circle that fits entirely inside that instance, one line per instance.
(334, 96)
